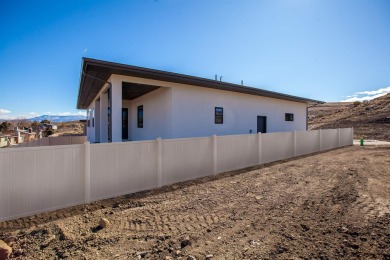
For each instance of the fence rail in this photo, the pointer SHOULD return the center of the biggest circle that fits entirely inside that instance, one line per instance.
(40, 179)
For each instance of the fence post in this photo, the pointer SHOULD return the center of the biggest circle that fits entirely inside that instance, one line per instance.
(320, 137)
(338, 133)
(159, 161)
(351, 135)
(259, 145)
(87, 191)
(215, 169)
(295, 143)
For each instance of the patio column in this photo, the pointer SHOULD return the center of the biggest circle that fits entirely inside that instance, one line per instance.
(97, 121)
(116, 110)
(103, 117)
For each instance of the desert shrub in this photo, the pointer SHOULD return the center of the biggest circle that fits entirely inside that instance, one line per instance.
(48, 132)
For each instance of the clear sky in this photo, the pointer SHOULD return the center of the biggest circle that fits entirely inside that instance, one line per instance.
(321, 49)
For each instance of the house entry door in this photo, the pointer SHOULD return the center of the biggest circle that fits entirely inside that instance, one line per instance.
(261, 124)
(125, 123)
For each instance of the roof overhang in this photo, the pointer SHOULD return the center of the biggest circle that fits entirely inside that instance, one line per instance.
(92, 70)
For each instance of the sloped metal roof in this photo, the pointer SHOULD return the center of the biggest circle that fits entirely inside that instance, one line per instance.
(90, 87)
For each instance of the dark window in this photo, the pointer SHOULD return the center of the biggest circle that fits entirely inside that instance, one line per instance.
(219, 115)
(88, 117)
(93, 117)
(289, 117)
(140, 117)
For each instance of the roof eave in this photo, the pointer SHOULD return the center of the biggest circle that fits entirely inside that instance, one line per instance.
(181, 78)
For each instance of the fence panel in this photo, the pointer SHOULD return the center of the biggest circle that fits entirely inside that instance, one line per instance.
(121, 168)
(186, 159)
(346, 136)
(60, 140)
(36, 180)
(40, 179)
(307, 142)
(137, 168)
(330, 139)
(236, 151)
(277, 146)
(78, 139)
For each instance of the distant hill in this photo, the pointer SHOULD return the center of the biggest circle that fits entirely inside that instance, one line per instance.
(57, 119)
(370, 119)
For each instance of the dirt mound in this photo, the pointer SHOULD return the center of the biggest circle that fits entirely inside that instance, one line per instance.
(370, 119)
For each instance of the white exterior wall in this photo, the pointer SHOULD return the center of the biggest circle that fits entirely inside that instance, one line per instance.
(179, 111)
(157, 106)
(193, 112)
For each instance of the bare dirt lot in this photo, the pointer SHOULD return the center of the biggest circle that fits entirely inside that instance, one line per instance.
(326, 206)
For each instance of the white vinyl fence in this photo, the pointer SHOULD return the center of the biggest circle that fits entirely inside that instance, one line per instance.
(40, 179)
(51, 141)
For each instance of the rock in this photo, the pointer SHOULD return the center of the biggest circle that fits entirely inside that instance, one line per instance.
(103, 223)
(305, 227)
(209, 256)
(64, 234)
(18, 252)
(254, 243)
(5, 250)
(190, 257)
(168, 257)
(47, 242)
(185, 242)
(142, 254)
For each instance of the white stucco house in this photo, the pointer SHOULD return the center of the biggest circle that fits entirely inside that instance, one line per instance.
(128, 103)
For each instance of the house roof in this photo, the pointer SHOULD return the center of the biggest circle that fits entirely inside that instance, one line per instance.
(99, 71)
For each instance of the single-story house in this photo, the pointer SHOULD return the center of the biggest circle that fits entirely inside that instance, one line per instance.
(129, 103)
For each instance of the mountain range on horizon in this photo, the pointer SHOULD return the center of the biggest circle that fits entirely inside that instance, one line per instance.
(53, 118)
(57, 118)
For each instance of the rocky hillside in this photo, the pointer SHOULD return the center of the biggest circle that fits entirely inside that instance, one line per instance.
(370, 119)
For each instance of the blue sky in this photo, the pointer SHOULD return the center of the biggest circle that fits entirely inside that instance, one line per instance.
(329, 50)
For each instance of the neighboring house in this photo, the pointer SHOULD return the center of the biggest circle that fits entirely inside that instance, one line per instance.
(131, 103)
(3, 141)
(27, 136)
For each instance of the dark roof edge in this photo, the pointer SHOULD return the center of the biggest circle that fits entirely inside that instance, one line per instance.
(178, 78)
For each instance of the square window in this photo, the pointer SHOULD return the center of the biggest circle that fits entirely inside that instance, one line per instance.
(140, 116)
(289, 117)
(219, 115)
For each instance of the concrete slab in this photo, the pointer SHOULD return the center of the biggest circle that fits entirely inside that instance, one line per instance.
(371, 142)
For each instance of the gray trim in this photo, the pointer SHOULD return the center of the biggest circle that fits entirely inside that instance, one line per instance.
(102, 70)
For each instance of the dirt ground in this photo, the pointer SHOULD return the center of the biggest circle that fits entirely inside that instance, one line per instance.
(370, 119)
(326, 206)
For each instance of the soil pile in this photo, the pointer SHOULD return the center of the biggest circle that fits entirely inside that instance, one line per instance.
(370, 119)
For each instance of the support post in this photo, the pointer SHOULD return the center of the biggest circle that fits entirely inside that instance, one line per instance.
(87, 180)
(215, 168)
(259, 145)
(159, 161)
(320, 137)
(338, 133)
(295, 143)
(351, 135)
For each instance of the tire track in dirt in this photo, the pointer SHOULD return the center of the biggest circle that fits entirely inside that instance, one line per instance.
(165, 222)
